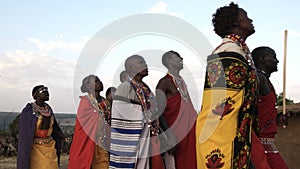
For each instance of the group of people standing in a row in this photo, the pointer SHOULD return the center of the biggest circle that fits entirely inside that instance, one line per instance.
(144, 130)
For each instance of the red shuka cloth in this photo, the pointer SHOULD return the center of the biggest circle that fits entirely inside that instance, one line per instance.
(268, 128)
(267, 115)
(258, 156)
(181, 117)
(83, 143)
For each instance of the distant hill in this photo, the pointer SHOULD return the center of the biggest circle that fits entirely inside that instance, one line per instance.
(65, 121)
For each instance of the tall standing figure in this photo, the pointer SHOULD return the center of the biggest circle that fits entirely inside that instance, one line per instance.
(224, 125)
(89, 148)
(178, 112)
(266, 63)
(133, 120)
(38, 133)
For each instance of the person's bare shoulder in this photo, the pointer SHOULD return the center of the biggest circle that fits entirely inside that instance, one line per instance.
(163, 83)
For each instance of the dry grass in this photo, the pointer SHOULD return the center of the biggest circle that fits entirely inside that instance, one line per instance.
(8, 162)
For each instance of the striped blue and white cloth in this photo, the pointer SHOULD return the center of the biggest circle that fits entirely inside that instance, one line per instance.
(130, 137)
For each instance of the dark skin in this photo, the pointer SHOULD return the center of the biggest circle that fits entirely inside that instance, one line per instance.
(95, 87)
(268, 64)
(138, 68)
(166, 89)
(41, 98)
(243, 25)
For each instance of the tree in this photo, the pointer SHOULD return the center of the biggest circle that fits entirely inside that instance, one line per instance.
(14, 130)
(280, 100)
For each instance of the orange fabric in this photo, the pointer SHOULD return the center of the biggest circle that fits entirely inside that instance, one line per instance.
(100, 159)
(43, 156)
(41, 133)
(258, 156)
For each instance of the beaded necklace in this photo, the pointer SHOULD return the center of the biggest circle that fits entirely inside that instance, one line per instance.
(241, 42)
(44, 111)
(95, 104)
(180, 86)
(105, 107)
(142, 93)
(145, 97)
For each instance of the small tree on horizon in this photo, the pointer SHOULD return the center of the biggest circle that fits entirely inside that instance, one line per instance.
(280, 100)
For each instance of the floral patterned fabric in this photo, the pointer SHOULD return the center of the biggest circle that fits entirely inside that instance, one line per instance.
(223, 128)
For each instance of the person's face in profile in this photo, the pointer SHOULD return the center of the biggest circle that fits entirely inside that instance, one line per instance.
(140, 67)
(245, 23)
(177, 61)
(96, 85)
(271, 62)
(43, 94)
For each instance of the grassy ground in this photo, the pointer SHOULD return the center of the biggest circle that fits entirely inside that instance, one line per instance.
(287, 141)
(8, 163)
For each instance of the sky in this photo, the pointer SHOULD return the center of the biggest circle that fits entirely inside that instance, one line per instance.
(57, 43)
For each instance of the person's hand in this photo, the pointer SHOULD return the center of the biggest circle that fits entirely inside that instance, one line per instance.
(282, 120)
(172, 151)
(171, 142)
(67, 140)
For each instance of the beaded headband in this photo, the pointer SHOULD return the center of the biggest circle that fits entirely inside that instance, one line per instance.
(40, 90)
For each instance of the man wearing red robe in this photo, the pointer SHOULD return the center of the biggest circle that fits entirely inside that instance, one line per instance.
(266, 63)
(178, 113)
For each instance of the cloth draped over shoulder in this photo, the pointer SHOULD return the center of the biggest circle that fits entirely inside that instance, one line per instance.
(267, 114)
(180, 116)
(267, 123)
(181, 119)
(129, 132)
(47, 151)
(84, 138)
(224, 125)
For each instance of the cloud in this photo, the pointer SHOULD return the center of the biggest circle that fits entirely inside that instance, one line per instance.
(21, 70)
(48, 46)
(162, 8)
(28, 66)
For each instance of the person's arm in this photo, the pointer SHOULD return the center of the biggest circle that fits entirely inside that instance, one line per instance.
(57, 131)
(263, 86)
(161, 98)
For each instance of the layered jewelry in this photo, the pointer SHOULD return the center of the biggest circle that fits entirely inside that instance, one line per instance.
(180, 86)
(95, 104)
(241, 42)
(41, 110)
(145, 95)
(101, 131)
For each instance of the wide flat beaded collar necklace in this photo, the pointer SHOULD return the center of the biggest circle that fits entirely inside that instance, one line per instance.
(241, 42)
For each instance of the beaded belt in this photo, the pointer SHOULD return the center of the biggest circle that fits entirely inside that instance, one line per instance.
(269, 145)
(42, 140)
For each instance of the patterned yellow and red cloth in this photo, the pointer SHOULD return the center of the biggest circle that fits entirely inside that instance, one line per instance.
(224, 125)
